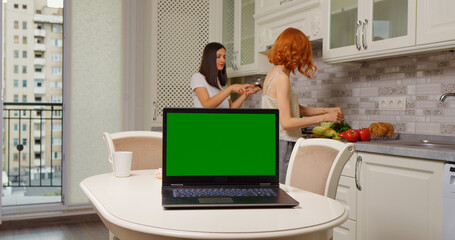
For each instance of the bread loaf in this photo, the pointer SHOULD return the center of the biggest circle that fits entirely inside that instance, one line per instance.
(381, 129)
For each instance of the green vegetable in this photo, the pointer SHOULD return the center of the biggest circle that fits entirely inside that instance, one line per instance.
(325, 131)
(327, 124)
(341, 127)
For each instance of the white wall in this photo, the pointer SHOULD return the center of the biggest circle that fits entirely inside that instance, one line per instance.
(95, 88)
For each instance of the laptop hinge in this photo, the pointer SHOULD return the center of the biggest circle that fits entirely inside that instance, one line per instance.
(265, 184)
(177, 185)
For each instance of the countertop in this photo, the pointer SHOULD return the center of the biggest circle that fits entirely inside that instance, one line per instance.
(403, 146)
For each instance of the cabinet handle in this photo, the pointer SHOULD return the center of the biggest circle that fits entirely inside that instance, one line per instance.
(364, 33)
(234, 56)
(285, 1)
(357, 37)
(357, 173)
(154, 110)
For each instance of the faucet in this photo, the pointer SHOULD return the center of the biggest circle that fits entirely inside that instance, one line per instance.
(445, 95)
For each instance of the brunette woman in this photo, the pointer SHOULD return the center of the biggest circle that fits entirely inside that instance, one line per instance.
(208, 86)
(291, 52)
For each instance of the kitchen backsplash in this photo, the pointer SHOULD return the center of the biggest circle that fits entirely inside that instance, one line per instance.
(422, 79)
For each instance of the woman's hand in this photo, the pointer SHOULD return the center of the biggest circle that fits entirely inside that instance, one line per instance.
(251, 90)
(334, 115)
(240, 88)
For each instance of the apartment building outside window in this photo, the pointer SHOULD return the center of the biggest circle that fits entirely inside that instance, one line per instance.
(35, 42)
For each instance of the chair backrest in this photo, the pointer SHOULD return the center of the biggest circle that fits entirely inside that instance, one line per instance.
(145, 145)
(316, 165)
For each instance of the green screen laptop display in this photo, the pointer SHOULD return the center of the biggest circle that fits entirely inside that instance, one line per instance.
(220, 143)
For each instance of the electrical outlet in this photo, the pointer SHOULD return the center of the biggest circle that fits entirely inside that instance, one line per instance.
(392, 103)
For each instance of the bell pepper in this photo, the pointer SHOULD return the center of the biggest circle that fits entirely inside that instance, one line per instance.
(365, 134)
(351, 135)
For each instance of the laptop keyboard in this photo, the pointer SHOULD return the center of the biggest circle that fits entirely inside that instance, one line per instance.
(224, 192)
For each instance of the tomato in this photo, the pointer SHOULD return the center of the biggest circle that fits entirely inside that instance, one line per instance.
(352, 135)
(342, 135)
(365, 134)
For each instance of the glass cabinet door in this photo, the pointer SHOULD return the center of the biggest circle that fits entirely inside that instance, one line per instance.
(228, 30)
(247, 32)
(390, 19)
(343, 16)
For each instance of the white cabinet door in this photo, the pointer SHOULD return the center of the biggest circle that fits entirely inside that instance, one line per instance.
(436, 22)
(357, 29)
(401, 198)
(239, 38)
(346, 231)
(180, 31)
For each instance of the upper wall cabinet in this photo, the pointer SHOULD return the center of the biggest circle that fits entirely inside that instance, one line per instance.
(357, 30)
(238, 36)
(274, 16)
(436, 22)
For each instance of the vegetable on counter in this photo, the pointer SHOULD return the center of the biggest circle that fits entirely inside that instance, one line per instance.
(325, 131)
(338, 127)
(352, 135)
(365, 134)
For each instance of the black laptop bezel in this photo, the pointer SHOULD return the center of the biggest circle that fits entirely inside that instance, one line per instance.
(272, 180)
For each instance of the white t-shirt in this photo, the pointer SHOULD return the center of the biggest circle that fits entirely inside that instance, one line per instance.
(198, 80)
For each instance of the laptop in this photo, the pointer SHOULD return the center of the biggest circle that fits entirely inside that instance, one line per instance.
(221, 158)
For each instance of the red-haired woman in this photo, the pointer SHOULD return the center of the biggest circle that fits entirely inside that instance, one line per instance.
(292, 51)
(208, 86)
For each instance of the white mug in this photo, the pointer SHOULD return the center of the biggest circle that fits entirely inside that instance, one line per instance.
(121, 163)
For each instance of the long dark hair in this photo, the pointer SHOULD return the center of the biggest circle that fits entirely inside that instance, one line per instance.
(208, 65)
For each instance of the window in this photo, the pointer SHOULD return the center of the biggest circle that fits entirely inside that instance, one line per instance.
(16, 69)
(24, 39)
(16, 39)
(24, 54)
(56, 84)
(57, 57)
(24, 83)
(16, 53)
(56, 28)
(24, 69)
(24, 127)
(57, 155)
(56, 126)
(57, 113)
(56, 42)
(16, 83)
(24, 141)
(56, 141)
(24, 98)
(56, 99)
(16, 98)
(37, 140)
(38, 83)
(24, 6)
(38, 11)
(16, 5)
(24, 25)
(38, 99)
(16, 24)
(15, 142)
(24, 157)
(38, 55)
(16, 156)
(38, 69)
(56, 71)
(15, 127)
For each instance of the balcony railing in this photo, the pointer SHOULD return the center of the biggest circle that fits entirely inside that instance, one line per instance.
(32, 148)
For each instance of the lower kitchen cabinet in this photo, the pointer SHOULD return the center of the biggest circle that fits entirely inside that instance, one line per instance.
(400, 198)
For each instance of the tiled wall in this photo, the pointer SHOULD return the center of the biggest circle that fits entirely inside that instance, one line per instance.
(357, 89)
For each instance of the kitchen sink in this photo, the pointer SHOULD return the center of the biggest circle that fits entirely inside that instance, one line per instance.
(428, 144)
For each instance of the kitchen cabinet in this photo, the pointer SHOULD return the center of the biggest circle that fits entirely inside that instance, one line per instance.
(363, 29)
(238, 36)
(347, 195)
(273, 17)
(436, 22)
(400, 198)
(173, 49)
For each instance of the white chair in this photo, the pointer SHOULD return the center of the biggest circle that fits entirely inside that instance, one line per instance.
(145, 145)
(316, 165)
